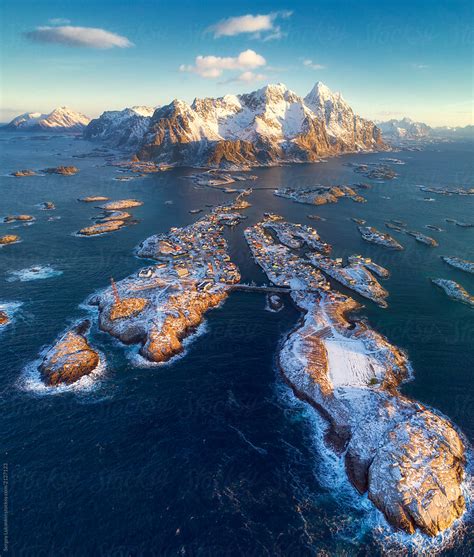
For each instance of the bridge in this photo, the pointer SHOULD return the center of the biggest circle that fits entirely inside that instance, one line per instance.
(261, 288)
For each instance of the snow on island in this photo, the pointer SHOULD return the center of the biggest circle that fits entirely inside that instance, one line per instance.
(458, 263)
(408, 459)
(454, 291)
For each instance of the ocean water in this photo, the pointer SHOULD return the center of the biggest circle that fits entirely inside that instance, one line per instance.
(210, 454)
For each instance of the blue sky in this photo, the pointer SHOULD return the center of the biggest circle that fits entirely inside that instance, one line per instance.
(389, 59)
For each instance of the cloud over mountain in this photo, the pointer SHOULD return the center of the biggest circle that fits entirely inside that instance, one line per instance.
(88, 37)
(213, 66)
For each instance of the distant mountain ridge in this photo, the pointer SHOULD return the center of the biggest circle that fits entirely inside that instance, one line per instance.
(399, 131)
(121, 128)
(405, 129)
(264, 127)
(60, 119)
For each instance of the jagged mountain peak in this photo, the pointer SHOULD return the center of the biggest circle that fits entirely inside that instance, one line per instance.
(321, 90)
(321, 95)
(270, 124)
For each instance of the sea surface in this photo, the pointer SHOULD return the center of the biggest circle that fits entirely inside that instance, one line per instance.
(210, 454)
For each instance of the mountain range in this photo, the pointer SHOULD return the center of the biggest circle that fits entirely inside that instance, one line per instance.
(121, 128)
(60, 119)
(404, 130)
(268, 126)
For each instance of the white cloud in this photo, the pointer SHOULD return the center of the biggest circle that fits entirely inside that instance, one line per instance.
(89, 37)
(59, 21)
(249, 23)
(213, 66)
(249, 76)
(310, 64)
(419, 66)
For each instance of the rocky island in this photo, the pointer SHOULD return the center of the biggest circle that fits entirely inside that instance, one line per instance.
(102, 228)
(295, 235)
(113, 217)
(319, 195)
(47, 206)
(9, 239)
(409, 460)
(458, 263)
(93, 198)
(23, 173)
(354, 276)
(70, 359)
(374, 236)
(454, 291)
(422, 238)
(163, 304)
(121, 204)
(63, 170)
(18, 218)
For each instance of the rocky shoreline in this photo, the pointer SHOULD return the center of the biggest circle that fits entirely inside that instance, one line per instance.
(408, 459)
(454, 291)
(70, 358)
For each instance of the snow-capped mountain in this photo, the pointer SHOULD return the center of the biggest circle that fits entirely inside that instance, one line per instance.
(405, 129)
(341, 122)
(267, 126)
(60, 119)
(121, 128)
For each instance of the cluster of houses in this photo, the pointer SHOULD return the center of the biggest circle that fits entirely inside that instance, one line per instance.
(282, 266)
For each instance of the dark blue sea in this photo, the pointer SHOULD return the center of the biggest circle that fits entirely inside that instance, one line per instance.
(211, 454)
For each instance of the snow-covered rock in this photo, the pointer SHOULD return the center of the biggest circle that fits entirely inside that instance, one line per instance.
(121, 128)
(60, 119)
(405, 129)
(267, 126)
(341, 123)
(408, 459)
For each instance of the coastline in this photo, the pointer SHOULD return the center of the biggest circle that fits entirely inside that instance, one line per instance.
(361, 450)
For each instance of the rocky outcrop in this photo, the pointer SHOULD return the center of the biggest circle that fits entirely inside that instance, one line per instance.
(409, 460)
(70, 358)
(265, 127)
(93, 198)
(23, 173)
(415, 475)
(4, 319)
(162, 343)
(121, 204)
(230, 154)
(102, 228)
(9, 239)
(63, 170)
(18, 218)
(158, 323)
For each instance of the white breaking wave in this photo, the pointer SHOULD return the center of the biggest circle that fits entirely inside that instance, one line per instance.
(35, 272)
(31, 380)
(330, 471)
